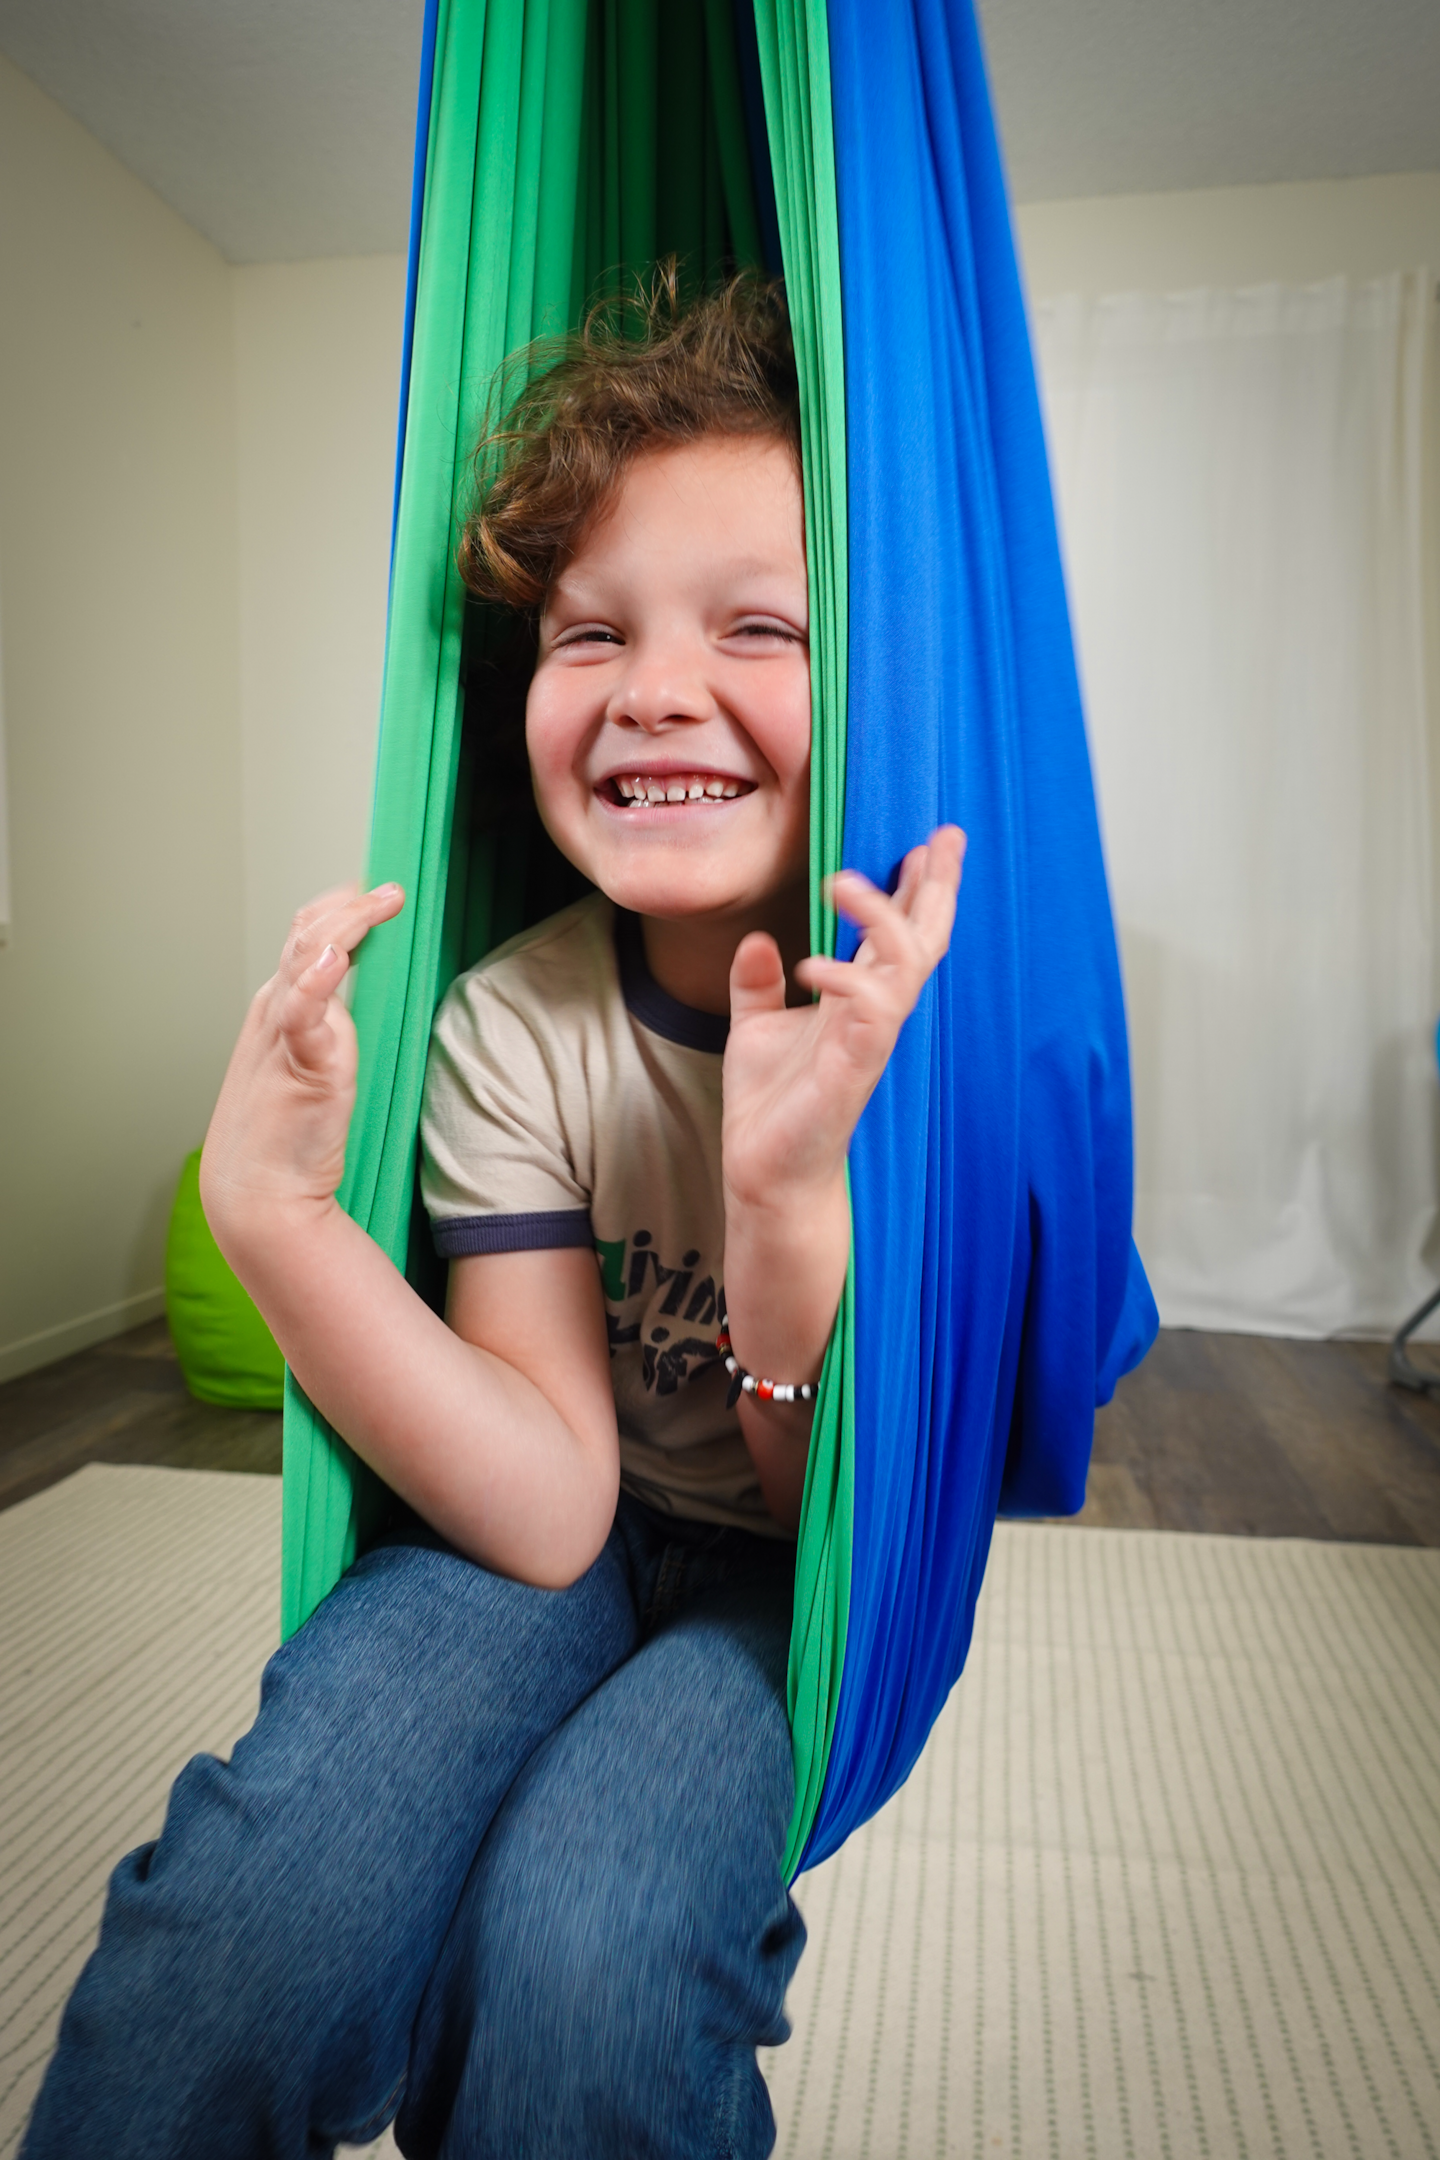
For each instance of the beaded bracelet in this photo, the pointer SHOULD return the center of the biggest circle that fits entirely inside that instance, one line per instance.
(766, 1390)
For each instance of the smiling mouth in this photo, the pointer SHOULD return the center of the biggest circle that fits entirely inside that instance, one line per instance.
(647, 791)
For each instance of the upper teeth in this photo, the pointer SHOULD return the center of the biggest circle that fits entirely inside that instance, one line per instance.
(675, 787)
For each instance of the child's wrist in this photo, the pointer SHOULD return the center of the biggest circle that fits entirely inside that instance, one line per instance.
(256, 1227)
(790, 1197)
(785, 1263)
(790, 1234)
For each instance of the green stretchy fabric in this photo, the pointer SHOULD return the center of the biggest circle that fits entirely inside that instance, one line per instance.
(795, 72)
(569, 143)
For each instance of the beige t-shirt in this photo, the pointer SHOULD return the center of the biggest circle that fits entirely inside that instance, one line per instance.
(569, 1100)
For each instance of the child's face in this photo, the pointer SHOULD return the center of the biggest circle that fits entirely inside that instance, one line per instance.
(674, 657)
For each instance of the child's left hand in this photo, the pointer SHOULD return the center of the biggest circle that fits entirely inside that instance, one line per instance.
(797, 1078)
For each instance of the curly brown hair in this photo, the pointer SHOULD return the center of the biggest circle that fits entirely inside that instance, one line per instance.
(645, 371)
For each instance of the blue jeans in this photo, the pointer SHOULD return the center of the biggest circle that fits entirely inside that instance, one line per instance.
(506, 1860)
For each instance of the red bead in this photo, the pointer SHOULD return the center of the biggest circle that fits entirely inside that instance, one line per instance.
(765, 1390)
(722, 1340)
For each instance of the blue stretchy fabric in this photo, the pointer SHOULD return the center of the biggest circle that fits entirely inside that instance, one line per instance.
(506, 1859)
(412, 261)
(998, 1294)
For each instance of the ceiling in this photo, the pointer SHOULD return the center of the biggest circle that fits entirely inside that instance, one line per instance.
(1113, 97)
(282, 128)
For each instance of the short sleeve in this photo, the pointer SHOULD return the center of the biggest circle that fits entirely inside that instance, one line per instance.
(497, 1174)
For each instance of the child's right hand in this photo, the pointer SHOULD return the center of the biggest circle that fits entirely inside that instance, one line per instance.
(512, 1454)
(277, 1138)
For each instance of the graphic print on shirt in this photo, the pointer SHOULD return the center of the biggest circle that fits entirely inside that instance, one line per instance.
(677, 1303)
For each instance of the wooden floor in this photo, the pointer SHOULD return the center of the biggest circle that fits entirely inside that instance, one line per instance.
(1258, 1437)
(1240, 1434)
(122, 1402)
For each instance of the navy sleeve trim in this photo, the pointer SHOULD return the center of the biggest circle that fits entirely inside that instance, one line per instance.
(457, 1236)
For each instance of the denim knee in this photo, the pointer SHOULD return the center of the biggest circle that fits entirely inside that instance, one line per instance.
(259, 1969)
(606, 2015)
(625, 1940)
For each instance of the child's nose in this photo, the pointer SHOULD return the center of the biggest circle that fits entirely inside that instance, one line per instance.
(660, 690)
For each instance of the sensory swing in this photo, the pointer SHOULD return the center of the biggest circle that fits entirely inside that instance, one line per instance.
(994, 1295)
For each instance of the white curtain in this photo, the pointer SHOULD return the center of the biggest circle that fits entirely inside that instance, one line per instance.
(1241, 481)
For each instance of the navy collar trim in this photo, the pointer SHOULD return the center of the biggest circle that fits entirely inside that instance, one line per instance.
(653, 1007)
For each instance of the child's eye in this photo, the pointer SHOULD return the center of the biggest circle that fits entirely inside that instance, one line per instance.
(588, 634)
(784, 631)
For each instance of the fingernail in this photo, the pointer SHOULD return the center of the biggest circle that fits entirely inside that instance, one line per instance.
(328, 957)
(385, 892)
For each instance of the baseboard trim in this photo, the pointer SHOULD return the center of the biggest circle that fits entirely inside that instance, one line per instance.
(53, 1343)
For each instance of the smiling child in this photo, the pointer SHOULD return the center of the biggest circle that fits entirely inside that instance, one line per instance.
(503, 1847)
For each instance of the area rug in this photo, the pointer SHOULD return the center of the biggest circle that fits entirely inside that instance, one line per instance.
(1165, 1882)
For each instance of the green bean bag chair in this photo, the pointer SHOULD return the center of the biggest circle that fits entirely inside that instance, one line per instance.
(226, 1352)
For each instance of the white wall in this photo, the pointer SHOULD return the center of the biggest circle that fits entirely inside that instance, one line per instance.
(317, 355)
(120, 983)
(195, 472)
(1231, 236)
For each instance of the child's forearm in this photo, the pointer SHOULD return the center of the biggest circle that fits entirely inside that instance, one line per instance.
(785, 1262)
(472, 1444)
(795, 1083)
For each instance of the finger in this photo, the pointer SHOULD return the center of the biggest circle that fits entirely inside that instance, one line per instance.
(343, 923)
(924, 898)
(911, 869)
(308, 921)
(932, 910)
(888, 940)
(358, 914)
(938, 857)
(840, 978)
(912, 872)
(325, 902)
(910, 943)
(757, 976)
(303, 1017)
(946, 852)
(324, 973)
(309, 981)
(925, 893)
